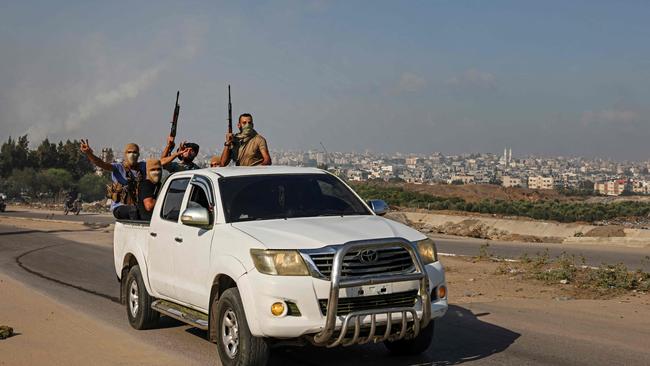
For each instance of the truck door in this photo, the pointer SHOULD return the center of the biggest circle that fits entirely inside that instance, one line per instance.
(164, 238)
(192, 255)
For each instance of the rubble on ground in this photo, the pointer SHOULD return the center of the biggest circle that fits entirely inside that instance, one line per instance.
(6, 331)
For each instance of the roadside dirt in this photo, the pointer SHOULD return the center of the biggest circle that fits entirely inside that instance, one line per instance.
(472, 280)
(49, 333)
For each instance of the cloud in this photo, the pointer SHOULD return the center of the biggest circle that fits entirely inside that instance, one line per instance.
(610, 116)
(409, 83)
(473, 79)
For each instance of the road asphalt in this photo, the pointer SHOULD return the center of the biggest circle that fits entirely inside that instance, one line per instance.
(633, 258)
(495, 333)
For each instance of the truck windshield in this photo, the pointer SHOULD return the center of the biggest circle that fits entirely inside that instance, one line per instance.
(266, 197)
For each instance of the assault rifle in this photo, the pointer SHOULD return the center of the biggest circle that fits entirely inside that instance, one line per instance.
(172, 133)
(229, 112)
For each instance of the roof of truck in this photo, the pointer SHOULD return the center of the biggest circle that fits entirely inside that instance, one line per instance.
(235, 171)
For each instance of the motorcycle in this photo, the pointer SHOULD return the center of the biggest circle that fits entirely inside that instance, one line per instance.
(74, 207)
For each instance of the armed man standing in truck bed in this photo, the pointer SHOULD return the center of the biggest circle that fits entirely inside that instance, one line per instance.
(247, 148)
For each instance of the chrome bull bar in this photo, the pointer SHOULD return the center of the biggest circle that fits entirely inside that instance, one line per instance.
(324, 337)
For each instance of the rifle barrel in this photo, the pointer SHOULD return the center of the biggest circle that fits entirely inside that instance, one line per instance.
(229, 111)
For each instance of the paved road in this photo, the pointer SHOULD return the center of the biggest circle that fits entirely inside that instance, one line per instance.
(633, 258)
(498, 333)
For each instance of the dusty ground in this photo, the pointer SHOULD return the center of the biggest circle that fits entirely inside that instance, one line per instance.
(49, 333)
(472, 281)
(519, 230)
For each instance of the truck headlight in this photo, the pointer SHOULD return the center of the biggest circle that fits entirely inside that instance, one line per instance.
(279, 262)
(427, 250)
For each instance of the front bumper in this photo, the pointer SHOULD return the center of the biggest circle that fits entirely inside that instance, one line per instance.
(259, 291)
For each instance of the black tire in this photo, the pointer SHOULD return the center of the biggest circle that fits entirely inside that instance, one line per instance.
(250, 350)
(413, 346)
(141, 316)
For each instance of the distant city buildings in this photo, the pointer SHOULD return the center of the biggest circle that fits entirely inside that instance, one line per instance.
(508, 181)
(540, 182)
(611, 188)
(605, 177)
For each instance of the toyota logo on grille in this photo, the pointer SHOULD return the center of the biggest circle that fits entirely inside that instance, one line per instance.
(368, 256)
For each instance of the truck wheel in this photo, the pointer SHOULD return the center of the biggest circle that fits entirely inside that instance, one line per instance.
(237, 347)
(413, 346)
(138, 302)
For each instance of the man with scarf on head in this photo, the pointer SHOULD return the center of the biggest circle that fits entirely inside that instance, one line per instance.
(126, 178)
(215, 161)
(149, 189)
(185, 153)
(247, 148)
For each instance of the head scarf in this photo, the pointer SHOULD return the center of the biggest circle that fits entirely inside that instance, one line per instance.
(131, 146)
(215, 160)
(151, 165)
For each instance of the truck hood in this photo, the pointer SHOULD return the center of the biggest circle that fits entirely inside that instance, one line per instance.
(317, 232)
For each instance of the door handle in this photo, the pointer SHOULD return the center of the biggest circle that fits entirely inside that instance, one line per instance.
(153, 234)
(178, 240)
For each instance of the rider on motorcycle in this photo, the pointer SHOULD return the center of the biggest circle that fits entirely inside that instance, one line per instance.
(70, 198)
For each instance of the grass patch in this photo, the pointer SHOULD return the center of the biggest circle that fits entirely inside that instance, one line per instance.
(569, 270)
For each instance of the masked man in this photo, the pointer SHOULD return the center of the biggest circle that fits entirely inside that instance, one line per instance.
(247, 148)
(149, 189)
(185, 153)
(215, 161)
(125, 176)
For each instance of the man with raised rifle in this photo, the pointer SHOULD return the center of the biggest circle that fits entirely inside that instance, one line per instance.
(247, 148)
(185, 153)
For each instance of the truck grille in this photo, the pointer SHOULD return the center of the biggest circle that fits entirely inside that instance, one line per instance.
(388, 261)
(350, 304)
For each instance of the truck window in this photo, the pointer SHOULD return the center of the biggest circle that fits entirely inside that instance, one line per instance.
(172, 206)
(267, 197)
(198, 198)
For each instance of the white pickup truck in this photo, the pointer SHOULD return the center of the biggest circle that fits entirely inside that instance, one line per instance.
(260, 256)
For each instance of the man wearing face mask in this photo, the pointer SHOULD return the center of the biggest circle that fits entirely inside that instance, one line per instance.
(149, 189)
(185, 153)
(126, 178)
(215, 161)
(247, 148)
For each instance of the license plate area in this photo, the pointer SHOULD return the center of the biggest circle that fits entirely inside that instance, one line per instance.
(378, 289)
(368, 290)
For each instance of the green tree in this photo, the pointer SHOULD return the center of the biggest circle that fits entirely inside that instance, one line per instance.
(46, 155)
(22, 182)
(93, 187)
(54, 181)
(73, 160)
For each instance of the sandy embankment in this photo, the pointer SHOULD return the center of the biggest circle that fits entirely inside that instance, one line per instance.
(523, 230)
(50, 333)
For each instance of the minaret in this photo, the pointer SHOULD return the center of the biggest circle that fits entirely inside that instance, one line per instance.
(509, 155)
(505, 155)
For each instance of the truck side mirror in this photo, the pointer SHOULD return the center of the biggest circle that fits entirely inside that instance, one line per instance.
(196, 216)
(379, 207)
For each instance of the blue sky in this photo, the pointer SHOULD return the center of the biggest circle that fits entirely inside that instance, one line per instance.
(552, 77)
